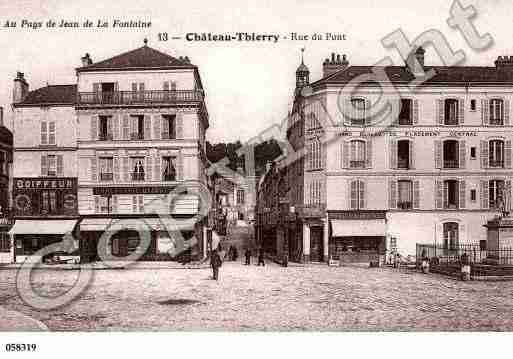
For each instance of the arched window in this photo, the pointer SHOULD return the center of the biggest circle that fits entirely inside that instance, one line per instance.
(496, 153)
(451, 235)
(496, 112)
(358, 150)
(451, 154)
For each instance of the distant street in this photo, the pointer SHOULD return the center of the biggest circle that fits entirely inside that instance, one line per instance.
(315, 297)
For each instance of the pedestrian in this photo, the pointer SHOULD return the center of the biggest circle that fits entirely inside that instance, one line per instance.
(215, 262)
(235, 253)
(261, 257)
(247, 254)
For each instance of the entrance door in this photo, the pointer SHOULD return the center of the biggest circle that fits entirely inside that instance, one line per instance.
(316, 244)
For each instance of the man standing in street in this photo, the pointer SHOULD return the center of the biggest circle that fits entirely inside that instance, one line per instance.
(247, 254)
(215, 262)
(261, 257)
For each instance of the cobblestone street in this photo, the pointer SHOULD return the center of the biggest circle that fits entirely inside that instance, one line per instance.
(315, 297)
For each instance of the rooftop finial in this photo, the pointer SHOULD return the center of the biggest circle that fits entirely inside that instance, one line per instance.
(302, 51)
(145, 41)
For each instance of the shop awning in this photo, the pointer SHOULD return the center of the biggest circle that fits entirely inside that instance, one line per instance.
(26, 226)
(134, 224)
(358, 227)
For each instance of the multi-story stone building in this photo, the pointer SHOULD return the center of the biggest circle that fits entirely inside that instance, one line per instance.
(436, 173)
(6, 220)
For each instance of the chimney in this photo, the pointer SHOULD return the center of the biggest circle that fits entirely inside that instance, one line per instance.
(86, 60)
(335, 64)
(20, 89)
(504, 61)
(416, 67)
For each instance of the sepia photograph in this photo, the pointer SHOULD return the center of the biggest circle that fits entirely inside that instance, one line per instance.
(297, 167)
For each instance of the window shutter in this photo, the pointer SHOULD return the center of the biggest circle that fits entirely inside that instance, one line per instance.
(148, 168)
(134, 204)
(94, 165)
(180, 168)
(126, 174)
(133, 126)
(156, 127)
(507, 195)
(173, 85)
(158, 175)
(440, 106)
(115, 164)
(165, 86)
(115, 127)
(439, 194)
(484, 112)
(94, 127)
(506, 112)
(96, 204)
(60, 165)
(507, 154)
(353, 195)
(147, 127)
(415, 112)
(126, 127)
(96, 87)
(141, 203)
(416, 194)
(462, 193)
(438, 154)
(44, 132)
(445, 194)
(44, 165)
(51, 133)
(179, 125)
(368, 155)
(110, 126)
(461, 111)
(393, 153)
(361, 194)
(485, 204)
(345, 154)
(164, 128)
(114, 204)
(411, 145)
(392, 194)
(484, 154)
(463, 153)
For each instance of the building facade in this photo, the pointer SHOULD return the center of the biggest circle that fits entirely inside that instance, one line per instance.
(6, 215)
(433, 172)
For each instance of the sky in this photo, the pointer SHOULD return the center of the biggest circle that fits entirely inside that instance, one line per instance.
(249, 86)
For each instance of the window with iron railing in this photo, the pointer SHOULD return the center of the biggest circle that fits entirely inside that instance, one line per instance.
(451, 193)
(495, 193)
(451, 154)
(168, 169)
(106, 168)
(405, 194)
(137, 169)
(496, 153)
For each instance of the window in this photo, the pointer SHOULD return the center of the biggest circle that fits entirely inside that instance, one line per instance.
(48, 133)
(405, 116)
(5, 243)
(357, 194)
(473, 153)
(403, 154)
(168, 169)
(451, 235)
(168, 126)
(137, 165)
(240, 196)
(52, 165)
(451, 194)
(451, 108)
(495, 193)
(496, 153)
(357, 154)
(138, 204)
(357, 112)
(405, 192)
(105, 204)
(496, 112)
(472, 105)
(450, 153)
(314, 155)
(106, 165)
(473, 195)
(3, 163)
(107, 91)
(137, 127)
(48, 202)
(105, 128)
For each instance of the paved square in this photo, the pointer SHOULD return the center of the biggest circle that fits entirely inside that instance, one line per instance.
(315, 297)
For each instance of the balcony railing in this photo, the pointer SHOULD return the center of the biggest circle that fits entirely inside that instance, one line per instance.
(496, 121)
(497, 163)
(105, 137)
(169, 177)
(137, 176)
(357, 164)
(403, 164)
(138, 97)
(404, 205)
(451, 164)
(137, 136)
(106, 176)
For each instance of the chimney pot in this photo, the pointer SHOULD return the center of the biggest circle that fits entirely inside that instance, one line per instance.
(335, 65)
(333, 57)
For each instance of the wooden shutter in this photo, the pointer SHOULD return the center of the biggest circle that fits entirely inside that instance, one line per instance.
(164, 128)
(508, 194)
(507, 154)
(110, 126)
(44, 132)
(416, 194)
(392, 193)
(438, 153)
(96, 87)
(411, 149)
(148, 168)
(368, 154)
(415, 104)
(353, 194)
(506, 112)
(180, 175)
(141, 203)
(462, 194)
(156, 127)
(439, 195)
(461, 111)
(96, 204)
(60, 165)
(462, 155)
(115, 166)
(126, 173)
(445, 194)
(94, 169)
(345, 154)
(393, 153)
(483, 194)
(440, 111)
(126, 127)
(133, 126)
(157, 173)
(94, 127)
(44, 165)
(484, 154)
(361, 194)
(179, 125)
(134, 204)
(147, 127)
(114, 204)
(484, 112)
(115, 127)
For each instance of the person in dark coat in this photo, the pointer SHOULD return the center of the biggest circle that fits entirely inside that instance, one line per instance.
(215, 262)
(247, 254)
(261, 257)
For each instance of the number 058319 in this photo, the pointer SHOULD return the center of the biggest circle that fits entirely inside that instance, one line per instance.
(17, 347)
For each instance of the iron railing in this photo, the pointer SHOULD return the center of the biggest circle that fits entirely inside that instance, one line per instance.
(138, 97)
(470, 253)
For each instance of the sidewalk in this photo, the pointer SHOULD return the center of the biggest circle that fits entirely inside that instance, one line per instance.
(11, 320)
(114, 266)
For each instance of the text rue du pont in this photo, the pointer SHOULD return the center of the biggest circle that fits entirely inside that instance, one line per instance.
(317, 36)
